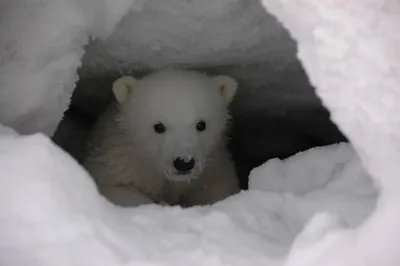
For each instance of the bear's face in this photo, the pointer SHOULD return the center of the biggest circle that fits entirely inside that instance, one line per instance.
(175, 119)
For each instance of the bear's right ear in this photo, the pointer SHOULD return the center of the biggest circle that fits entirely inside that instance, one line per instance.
(227, 87)
(123, 87)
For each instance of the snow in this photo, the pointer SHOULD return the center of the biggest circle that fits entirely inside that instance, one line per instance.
(41, 47)
(53, 215)
(278, 174)
(199, 33)
(153, 34)
(348, 50)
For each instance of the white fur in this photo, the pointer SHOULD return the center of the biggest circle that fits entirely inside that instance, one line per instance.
(133, 164)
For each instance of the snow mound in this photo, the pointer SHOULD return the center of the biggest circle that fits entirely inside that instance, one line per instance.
(53, 215)
(41, 47)
(348, 49)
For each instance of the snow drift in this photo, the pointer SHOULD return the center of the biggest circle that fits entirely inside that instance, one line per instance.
(51, 213)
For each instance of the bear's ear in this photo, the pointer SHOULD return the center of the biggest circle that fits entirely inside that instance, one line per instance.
(227, 87)
(123, 87)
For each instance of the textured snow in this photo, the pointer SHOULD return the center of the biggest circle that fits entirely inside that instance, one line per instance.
(52, 214)
(348, 49)
(41, 46)
(197, 33)
(43, 42)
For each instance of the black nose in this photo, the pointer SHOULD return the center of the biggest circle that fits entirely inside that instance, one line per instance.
(182, 165)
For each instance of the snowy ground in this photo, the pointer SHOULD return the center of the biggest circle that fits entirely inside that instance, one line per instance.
(52, 214)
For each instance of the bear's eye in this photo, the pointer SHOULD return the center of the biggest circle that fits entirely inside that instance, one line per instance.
(201, 126)
(159, 128)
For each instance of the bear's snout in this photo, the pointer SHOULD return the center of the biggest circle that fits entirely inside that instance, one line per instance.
(183, 166)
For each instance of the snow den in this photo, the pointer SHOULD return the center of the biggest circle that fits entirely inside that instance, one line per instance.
(313, 193)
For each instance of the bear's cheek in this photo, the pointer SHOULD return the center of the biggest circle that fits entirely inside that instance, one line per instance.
(208, 140)
(147, 141)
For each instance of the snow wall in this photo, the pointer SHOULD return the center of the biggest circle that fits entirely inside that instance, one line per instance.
(51, 213)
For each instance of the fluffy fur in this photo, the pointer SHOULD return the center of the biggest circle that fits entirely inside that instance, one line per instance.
(133, 164)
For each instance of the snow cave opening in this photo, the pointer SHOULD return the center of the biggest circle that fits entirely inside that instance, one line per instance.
(276, 112)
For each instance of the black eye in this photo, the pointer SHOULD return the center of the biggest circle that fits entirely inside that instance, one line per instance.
(159, 128)
(201, 126)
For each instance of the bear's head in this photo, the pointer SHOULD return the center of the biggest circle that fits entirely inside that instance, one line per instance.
(175, 119)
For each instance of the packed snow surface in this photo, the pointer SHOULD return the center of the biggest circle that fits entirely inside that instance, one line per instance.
(52, 214)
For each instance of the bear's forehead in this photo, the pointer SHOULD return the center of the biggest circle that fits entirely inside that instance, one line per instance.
(170, 101)
(177, 84)
(178, 90)
(184, 106)
(177, 97)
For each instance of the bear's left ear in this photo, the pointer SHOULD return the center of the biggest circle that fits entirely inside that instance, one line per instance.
(227, 87)
(123, 87)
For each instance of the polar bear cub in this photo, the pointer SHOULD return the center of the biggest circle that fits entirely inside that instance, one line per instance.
(163, 141)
